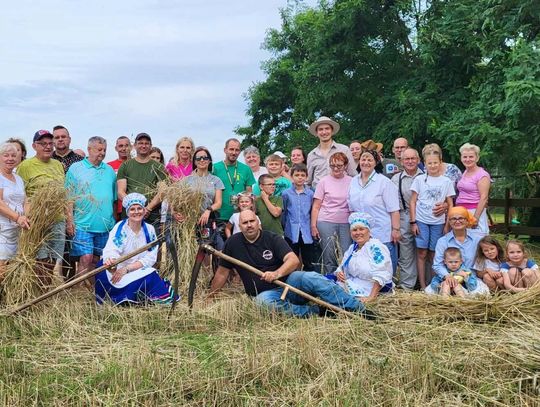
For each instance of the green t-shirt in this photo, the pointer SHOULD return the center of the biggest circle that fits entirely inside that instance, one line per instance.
(143, 178)
(269, 222)
(236, 179)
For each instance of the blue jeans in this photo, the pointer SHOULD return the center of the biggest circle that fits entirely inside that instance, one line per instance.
(393, 255)
(311, 283)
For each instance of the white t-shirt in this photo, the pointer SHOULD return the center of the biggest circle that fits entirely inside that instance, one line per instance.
(13, 195)
(431, 190)
(488, 264)
(235, 221)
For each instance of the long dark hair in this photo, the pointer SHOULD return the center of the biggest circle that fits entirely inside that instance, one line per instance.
(480, 259)
(202, 148)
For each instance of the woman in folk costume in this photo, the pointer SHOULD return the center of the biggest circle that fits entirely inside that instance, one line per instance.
(134, 280)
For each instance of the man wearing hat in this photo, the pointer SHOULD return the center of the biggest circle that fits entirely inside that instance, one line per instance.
(142, 174)
(317, 160)
(36, 172)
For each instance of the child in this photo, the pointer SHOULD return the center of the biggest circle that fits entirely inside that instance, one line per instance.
(519, 272)
(268, 206)
(427, 191)
(244, 200)
(458, 276)
(274, 164)
(489, 257)
(296, 217)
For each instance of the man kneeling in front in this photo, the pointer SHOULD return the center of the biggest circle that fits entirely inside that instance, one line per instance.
(272, 255)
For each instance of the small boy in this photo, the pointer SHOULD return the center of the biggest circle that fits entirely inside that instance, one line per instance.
(268, 206)
(457, 277)
(274, 164)
(297, 201)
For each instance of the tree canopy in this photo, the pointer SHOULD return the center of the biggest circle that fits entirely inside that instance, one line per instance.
(445, 71)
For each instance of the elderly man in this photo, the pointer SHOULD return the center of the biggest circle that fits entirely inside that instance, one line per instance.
(236, 176)
(407, 246)
(270, 253)
(142, 174)
(92, 185)
(392, 166)
(36, 172)
(252, 157)
(62, 152)
(325, 129)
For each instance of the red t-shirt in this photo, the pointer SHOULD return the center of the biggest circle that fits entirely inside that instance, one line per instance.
(115, 164)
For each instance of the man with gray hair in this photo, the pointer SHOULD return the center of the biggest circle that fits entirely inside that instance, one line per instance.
(252, 157)
(91, 184)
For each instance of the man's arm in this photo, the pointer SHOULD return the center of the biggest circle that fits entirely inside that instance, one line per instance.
(219, 280)
(121, 185)
(290, 263)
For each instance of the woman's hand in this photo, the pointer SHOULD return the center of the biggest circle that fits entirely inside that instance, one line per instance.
(23, 222)
(315, 232)
(341, 276)
(203, 220)
(118, 274)
(396, 235)
(108, 262)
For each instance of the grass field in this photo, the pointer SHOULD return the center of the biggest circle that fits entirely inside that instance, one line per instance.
(436, 352)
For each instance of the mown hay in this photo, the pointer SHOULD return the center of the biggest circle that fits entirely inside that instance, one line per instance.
(48, 204)
(186, 200)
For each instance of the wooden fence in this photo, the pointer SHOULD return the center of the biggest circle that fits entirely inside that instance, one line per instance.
(508, 203)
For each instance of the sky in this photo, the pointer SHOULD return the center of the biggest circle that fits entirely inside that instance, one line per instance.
(110, 68)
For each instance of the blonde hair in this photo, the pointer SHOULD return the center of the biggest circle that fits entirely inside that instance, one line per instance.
(469, 147)
(176, 158)
(431, 147)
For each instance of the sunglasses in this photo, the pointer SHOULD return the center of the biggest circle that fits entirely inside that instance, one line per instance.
(202, 158)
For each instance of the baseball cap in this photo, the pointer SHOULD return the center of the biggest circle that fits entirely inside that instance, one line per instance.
(143, 135)
(38, 135)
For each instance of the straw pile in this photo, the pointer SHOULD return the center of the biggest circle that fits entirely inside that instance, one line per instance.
(186, 200)
(21, 282)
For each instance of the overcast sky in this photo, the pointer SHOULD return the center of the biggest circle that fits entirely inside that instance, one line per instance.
(169, 68)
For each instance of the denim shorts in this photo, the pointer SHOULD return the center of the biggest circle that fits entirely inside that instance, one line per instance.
(428, 235)
(88, 243)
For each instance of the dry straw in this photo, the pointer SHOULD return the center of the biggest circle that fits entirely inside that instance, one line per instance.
(186, 200)
(47, 206)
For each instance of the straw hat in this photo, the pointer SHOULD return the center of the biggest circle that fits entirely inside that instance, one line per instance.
(371, 145)
(323, 120)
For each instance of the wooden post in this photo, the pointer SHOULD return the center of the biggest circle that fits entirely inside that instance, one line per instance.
(507, 205)
(280, 283)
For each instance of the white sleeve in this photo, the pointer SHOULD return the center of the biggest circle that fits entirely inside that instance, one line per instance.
(380, 262)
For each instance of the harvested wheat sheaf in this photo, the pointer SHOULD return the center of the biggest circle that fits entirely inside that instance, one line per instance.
(47, 206)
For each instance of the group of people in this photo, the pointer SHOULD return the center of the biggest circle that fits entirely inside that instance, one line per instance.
(358, 224)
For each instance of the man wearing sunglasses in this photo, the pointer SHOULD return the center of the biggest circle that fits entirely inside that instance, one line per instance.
(37, 172)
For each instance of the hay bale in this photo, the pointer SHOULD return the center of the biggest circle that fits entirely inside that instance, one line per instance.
(21, 282)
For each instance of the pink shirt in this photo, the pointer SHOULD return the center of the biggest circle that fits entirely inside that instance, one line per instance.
(179, 171)
(469, 195)
(333, 193)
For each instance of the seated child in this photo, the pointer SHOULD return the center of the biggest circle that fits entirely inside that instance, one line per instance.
(274, 164)
(487, 264)
(519, 272)
(268, 206)
(245, 200)
(457, 278)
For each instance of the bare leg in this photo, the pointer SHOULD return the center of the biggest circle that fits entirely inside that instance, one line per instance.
(530, 277)
(3, 264)
(500, 283)
(421, 255)
(445, 289)
(458, 291)
(490, 282)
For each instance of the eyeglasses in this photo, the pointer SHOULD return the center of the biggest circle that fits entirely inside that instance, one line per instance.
(44, 144)
(460, 219)
(337, 166)
(202, 158)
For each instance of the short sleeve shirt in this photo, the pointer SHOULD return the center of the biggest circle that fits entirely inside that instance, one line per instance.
(530, 264)
(269, 222)
(318, 166)
(469, 195)
(13, 196)
(142, 177)
(332, 192)
(282, 183)
(68, 160)
(36, 173)
(431, 191)
(236, 178)
(265, 254)
(207, 185)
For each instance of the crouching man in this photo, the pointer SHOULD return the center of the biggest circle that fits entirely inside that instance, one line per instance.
(272, 255)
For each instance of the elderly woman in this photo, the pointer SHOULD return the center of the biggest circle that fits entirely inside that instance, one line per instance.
(330, 212)
(460, 236)
(448, 170)
(366, 269)
(21, 147)
(473, 187)
(134, 280)
(252, 157)
(373, 193)
(13, 204)
(180, 165)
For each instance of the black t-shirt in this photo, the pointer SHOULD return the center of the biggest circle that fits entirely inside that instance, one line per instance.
(265, 254)
(70, 158)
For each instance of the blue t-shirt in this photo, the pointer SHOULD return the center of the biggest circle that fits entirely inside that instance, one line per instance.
(531, 264)
(93, 189)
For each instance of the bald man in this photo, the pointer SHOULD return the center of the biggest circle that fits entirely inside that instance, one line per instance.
(392, 166)
(268, 252)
